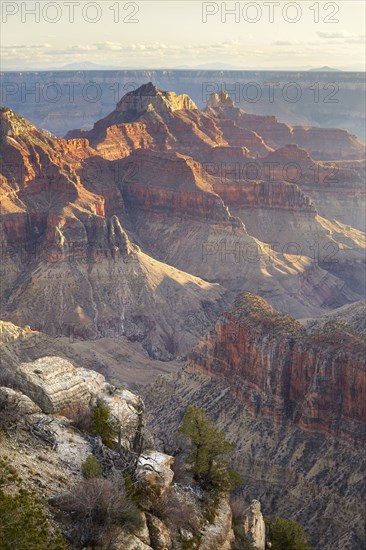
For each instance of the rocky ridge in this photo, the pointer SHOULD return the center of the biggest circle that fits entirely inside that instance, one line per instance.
(49, 453)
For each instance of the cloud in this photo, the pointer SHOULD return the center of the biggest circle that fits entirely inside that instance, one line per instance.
(138, 51)
(286, 43)
(338, 34)
(341, 37)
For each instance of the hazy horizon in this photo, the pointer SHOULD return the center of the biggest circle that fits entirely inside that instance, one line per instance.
(156, 34)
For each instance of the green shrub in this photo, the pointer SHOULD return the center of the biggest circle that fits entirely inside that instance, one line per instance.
(133, 490)
(91, 467)
(101, 423)
(24, 522)
(286, 534)
(209, 508)
(209, 445)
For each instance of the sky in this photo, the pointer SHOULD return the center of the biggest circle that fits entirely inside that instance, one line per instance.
(167, 34)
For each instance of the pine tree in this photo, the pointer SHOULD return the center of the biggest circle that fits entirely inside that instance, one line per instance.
(209, 446)
(23, 520)
(286, 534)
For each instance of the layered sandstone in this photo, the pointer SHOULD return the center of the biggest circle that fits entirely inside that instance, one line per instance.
(53, 383)
(280, 371)
(73, 212)
(291, 397)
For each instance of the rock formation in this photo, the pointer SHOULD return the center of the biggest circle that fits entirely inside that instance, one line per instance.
(50, 454)
(52, 383)
(70, 218)
(254, 525)
(291, 396)
(279, 370)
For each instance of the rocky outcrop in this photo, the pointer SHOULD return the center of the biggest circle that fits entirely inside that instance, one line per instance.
(154, 469)
(159, 534)
(24, 404)
(148, 97)
(254, 525)
(52, 383)
(219, 535)
(280, 371)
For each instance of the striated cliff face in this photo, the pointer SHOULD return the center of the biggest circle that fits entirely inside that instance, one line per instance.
(172, 184)
(280, 371)
(309, 476)
(291, 396)
(320, 143)
(73, 211)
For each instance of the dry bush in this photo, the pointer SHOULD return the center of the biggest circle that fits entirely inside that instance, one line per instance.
(175, 512)
(80, 414)
(97, 507)
(10, 412)
(7, 378)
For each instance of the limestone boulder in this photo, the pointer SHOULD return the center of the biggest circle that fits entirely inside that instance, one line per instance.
(53, 383)
(94, 381)
(25, 405)
(159, 533)
(154, 469)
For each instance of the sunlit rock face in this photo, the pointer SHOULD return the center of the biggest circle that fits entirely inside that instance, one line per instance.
(280, 370)
(152, 170)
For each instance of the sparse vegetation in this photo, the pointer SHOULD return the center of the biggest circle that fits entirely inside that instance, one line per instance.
(209, 446)
(176, 513)
(91, 467)
(96, 421)
(10, 412)
(102, 424)
(24, 521)
(80, 415)
(285, 534)
(98, 508)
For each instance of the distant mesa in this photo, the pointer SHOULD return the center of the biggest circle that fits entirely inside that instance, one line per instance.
(325, 69)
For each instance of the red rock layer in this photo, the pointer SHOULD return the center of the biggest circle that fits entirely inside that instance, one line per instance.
(170, 183)
(316, 380)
